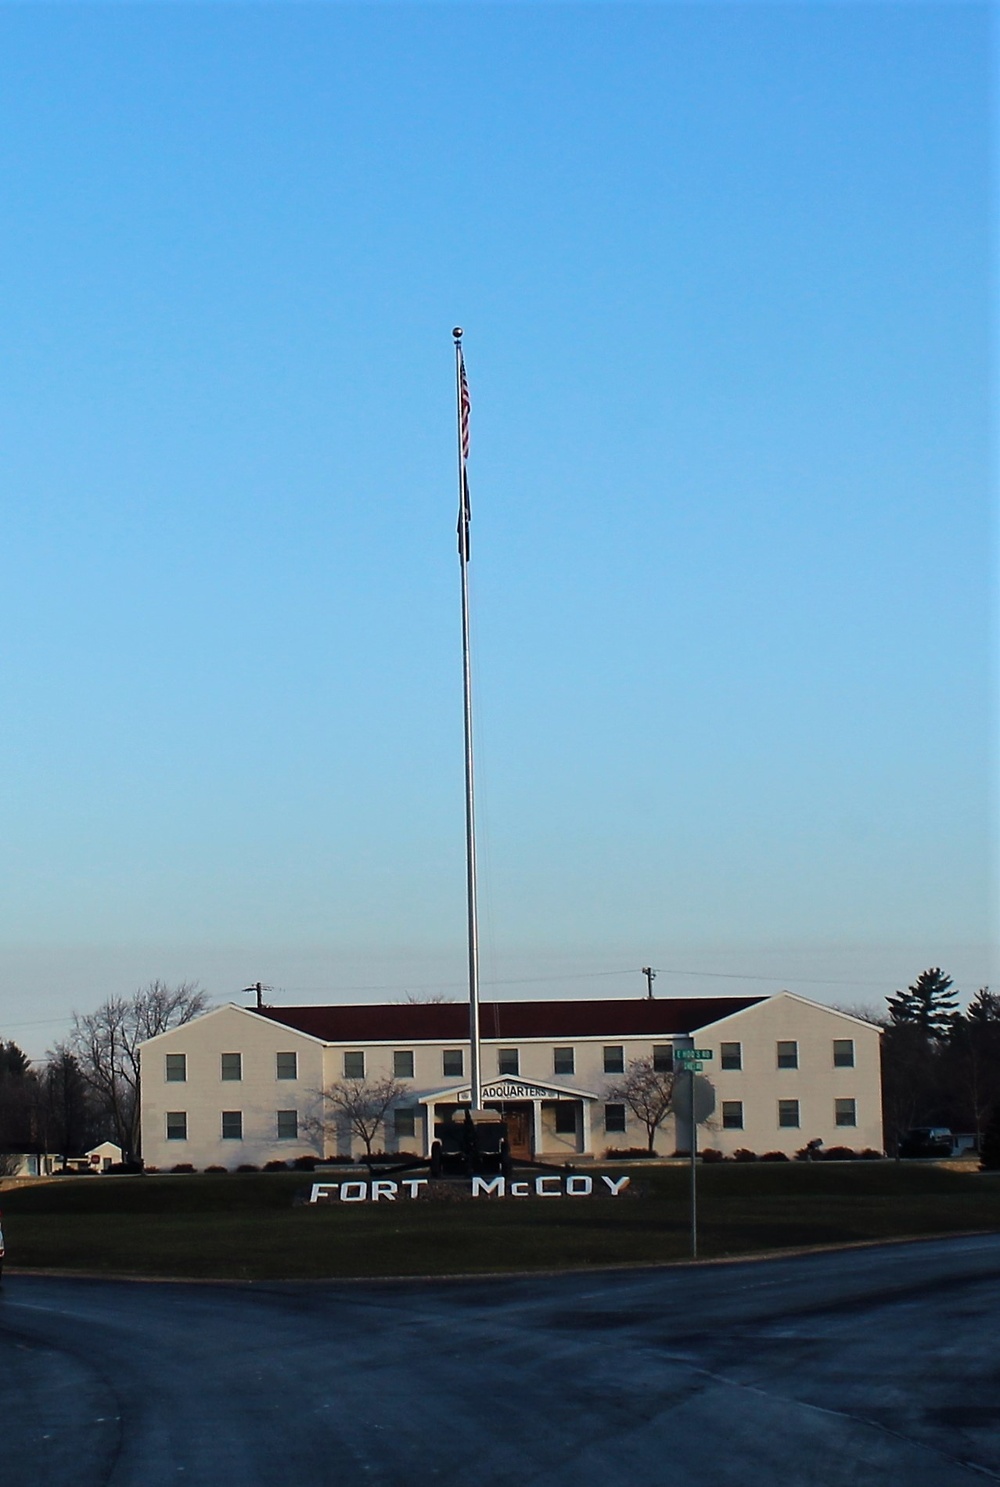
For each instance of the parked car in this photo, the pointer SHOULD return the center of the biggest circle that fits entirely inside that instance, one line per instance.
(927, 1141)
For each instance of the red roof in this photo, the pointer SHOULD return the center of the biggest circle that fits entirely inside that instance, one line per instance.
(448, 1022)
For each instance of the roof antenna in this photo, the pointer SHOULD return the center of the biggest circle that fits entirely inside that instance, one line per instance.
(650, 976)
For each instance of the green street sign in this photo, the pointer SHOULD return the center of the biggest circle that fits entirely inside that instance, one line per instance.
(693, 1055)
(695, 1068)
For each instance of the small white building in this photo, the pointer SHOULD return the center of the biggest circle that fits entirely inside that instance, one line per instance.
(239, 1085)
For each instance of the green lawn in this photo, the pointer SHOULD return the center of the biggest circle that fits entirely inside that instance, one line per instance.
(248, 1226)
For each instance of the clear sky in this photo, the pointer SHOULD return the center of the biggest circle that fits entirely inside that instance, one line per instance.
(726, 278)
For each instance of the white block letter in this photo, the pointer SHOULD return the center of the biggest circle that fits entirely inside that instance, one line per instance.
(355, 1192)
(483, 1188)
(519, 1190)
(321, 1190)
(615, 1184)
(384, 1188)
(579, 1187)
(413, 1183)
(542, 1191)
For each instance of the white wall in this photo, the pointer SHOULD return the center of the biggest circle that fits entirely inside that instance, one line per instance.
(204, 1095)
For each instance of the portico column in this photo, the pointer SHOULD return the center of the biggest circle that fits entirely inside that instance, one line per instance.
(536, 1128)
(586, 1124)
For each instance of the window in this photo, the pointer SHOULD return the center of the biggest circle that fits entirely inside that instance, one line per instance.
(614, 1059)
(288, 1125)
(177, 1125)
(788, 1112)
(732, 1115)
(845, 1113)
(788, 1055)
(566, 1118)
(232, 1125)
(843, 1053)
(663, 1058)
(563, 1062)
(354, 1066)
(508, 1061)
(731, 1056)
(614, 1118)
(176, 1068)
(232, 1066)
(453, 1063)
(402, 1064)
(406, 1124)
(286, 1066)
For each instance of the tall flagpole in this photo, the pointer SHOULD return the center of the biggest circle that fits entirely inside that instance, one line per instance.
(462, 397)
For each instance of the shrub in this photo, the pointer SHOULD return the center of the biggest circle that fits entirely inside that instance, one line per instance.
(148, 1169)
(774, 1156)
(305, 1164)
(182, 1167)
(628, 1154)
(810, 1152)
(840, 1154)
(247, 1167)
(275, 1165)
(870, 1155)
(682, 1151)
(711, 1155)
(741, 1154)
(216, 1169)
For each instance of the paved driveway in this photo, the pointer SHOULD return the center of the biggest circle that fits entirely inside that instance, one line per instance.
(867, 1366)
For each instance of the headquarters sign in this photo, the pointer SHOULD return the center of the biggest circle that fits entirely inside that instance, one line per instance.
(548, 1185)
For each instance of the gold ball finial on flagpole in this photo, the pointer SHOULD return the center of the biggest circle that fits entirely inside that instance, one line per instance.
(458, 332)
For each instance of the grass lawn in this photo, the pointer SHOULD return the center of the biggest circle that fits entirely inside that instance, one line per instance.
(247, 1226)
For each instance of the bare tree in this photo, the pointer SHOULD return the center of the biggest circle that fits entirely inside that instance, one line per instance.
(359, 1104)
(863, 1011)
(648, 1092)
(106, 1046)
(424, 999)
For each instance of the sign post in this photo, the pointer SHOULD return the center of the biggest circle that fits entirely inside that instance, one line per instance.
(694, 1060)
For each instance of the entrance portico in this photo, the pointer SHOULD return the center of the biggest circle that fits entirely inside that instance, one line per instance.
(525, 1104)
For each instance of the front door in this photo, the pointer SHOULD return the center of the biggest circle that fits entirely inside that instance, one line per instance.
(519, 1130)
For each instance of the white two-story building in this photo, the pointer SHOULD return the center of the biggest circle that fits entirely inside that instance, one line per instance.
(241, 1085)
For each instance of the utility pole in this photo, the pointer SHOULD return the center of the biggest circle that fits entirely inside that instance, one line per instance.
(257, 989)
(650, 976)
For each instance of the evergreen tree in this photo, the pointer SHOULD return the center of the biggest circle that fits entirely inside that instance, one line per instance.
(971, 1063)
(14, 1062)
(18, 1100)
(989, 1156)
(929, 1004)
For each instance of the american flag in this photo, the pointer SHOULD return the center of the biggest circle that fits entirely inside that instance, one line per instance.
(465, 511)
(464, 404)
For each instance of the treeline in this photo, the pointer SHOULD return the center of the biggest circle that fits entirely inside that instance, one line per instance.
(50, 1109)
(940, 1066)
(87, 1090)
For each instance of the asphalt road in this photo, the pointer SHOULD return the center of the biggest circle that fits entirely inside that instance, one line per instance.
(866, 1366)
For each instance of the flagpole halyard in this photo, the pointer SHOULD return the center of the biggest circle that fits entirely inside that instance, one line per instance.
(464, 515)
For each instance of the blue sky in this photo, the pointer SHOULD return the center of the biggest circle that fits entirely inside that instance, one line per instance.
(725, 273)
